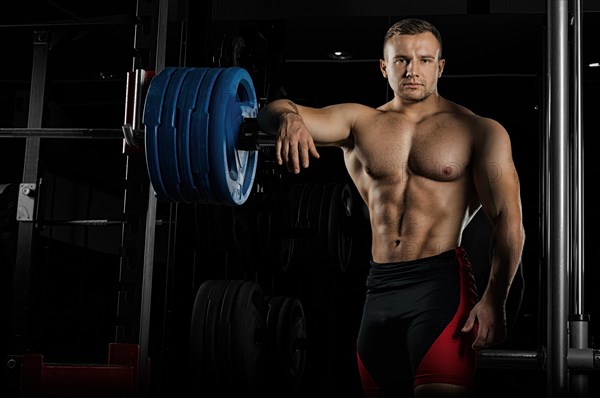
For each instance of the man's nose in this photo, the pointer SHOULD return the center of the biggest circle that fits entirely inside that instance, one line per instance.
(411, 70)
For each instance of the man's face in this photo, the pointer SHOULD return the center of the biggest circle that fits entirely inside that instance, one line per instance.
(412, 65)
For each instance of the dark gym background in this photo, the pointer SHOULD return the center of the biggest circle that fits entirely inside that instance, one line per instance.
(84, 295)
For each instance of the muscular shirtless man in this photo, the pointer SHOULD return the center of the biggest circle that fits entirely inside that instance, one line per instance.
(423, 165)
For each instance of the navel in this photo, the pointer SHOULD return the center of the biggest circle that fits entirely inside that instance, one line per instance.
(397, 242)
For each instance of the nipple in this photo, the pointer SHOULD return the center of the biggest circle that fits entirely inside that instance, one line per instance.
(447, 170)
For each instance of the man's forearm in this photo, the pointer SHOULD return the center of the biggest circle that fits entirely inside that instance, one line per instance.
(507, 248)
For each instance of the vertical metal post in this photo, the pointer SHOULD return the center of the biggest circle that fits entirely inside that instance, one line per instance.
(578, 293)
(559, 238)
(578, 322)
(26, 234)
(144, 335)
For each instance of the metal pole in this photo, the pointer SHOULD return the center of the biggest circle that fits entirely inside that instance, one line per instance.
(578, 337)
(22, 278)
(163, 10)
(578, 293)
(556, 372)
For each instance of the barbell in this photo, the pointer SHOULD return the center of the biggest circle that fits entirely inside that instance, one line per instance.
(193, 118)
(201, 145)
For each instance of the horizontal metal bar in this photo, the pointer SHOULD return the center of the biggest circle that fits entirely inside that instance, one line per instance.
(87, 223)
(588, 359)
(93, 22)
(81, 222)
(61, 133)
(508, 359)
(250, 135)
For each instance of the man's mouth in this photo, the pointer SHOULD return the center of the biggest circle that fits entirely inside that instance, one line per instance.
(411, 85)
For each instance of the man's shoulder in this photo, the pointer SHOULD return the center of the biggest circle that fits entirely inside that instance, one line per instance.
(457, 110)
(480, 122)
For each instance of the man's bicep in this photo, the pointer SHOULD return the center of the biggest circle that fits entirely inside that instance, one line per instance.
(328, 126)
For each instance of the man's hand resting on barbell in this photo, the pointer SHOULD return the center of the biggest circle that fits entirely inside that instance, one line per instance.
(294, 145)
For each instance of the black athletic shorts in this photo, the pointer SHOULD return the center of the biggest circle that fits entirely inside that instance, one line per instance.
(410, 330)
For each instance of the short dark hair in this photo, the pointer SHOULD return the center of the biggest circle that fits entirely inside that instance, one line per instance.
(412, 26)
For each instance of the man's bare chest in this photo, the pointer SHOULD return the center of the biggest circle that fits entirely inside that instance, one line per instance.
(434, 150)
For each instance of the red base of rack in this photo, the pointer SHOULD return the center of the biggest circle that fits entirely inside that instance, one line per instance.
(118, 376)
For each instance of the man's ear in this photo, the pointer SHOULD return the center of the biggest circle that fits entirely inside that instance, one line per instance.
(382, 68)
(441, 64)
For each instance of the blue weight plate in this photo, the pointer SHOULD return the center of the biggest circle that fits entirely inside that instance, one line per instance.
(186, 104)
(167, 137)
(232, 170)
(199, 138)
(153, 117)
(178, 129)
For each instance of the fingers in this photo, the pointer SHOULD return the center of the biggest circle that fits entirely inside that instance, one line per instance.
(468, 326)
(313, 151)
(293, 159)
(278, 147)
(305, 152)
(484, 334)
(480, 341)
(481, 334)
(484, 339)
(295, 153)
(287, 154)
